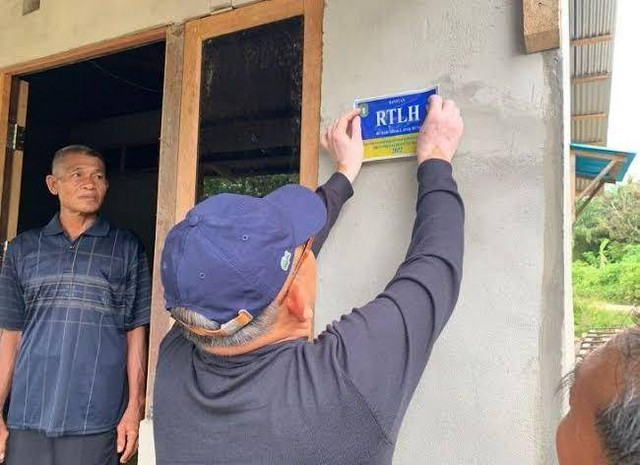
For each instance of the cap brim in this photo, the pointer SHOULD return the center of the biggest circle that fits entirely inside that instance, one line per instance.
(304, 208)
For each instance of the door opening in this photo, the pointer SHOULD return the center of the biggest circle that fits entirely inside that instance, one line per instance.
(113, 104)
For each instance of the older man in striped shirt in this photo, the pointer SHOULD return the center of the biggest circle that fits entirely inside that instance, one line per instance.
(74, 304)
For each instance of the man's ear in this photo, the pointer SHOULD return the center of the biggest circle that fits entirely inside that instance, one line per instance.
(51, 184)
(297, 303)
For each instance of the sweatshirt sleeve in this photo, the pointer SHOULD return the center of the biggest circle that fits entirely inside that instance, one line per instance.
(334, 194)
(384, 346)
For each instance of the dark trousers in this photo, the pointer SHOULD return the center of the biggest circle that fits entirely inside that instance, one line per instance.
(33, 448)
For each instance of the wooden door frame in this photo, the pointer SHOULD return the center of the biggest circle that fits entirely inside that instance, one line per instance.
(10, 74)
(258, 14)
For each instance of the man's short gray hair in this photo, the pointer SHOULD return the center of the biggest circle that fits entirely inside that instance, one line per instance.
(618, 423)
(74, 148)
(257, 327)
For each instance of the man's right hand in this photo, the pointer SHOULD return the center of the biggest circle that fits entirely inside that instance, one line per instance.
(4, 435)
(441, 132)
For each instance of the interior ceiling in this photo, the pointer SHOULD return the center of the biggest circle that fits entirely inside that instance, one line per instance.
(87, 90)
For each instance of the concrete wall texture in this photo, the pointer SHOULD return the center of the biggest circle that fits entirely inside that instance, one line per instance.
(487, 396)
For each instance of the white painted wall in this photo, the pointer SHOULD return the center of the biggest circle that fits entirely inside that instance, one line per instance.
(487, 395)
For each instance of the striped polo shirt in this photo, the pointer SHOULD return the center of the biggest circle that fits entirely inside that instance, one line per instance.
(74, 302)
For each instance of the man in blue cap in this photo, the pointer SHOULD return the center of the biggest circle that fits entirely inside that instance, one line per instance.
(239, 380)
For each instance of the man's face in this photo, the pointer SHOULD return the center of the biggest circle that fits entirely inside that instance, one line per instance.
(596, 385)
(80, 183)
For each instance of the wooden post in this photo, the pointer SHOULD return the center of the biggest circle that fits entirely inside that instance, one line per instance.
(21, 89)
(593, 184)
(311, 95)
(541, 25)
(167, 191)
(5, 103)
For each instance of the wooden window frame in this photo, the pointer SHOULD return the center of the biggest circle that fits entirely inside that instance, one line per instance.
(258, 14)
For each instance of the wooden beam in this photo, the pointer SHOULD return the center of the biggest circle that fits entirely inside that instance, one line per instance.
(85, 52)
(248, 16)
(604, 156)
(17, 157)
(167, 191)
(541, 25)
(5, 103)
(311, 93)
(592, 185)
(588, 116)
(187, 167)
(584, 204)
(133, 129)
(590, 78)
(275, 132)
(592, 40)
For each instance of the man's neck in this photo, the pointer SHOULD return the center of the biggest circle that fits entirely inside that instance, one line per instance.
(270, 338)
(74, 223)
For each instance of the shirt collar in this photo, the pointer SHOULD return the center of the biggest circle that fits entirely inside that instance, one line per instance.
(100, 228)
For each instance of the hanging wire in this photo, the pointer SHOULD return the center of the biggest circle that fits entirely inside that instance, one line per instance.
(126, 81)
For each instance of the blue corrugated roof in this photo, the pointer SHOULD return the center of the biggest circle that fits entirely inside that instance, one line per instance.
(589, 167)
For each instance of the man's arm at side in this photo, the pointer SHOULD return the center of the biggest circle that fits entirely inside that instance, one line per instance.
(9, 344)
(11, 324)
(137, 378)
(384, 346)
(139, 310)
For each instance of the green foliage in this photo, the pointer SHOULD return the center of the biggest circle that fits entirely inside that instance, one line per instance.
(590, 315)
(612, 277)
(615, 216)
(606, 265)
(257, 186)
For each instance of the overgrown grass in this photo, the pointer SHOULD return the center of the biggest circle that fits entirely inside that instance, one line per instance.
(590, 314)
(611, 276)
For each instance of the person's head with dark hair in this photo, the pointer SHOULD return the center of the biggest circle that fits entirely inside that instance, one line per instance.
(602, 426)
(78, 178)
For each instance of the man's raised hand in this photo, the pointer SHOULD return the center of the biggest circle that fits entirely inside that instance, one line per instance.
(343, 141)
(440, 134)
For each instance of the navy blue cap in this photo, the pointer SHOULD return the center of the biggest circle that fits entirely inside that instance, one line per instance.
(234, 252)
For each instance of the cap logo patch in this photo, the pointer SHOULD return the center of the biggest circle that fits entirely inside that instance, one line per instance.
(285, 261)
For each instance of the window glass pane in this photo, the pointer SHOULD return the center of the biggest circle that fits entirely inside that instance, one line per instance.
(250, 110)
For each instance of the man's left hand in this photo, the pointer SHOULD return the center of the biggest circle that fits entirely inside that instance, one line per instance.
(127, 439)
(343, 141)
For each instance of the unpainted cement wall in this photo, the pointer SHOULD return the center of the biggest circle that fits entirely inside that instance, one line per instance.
(487, 394)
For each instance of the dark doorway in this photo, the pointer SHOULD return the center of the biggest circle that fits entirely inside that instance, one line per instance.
(112, 104)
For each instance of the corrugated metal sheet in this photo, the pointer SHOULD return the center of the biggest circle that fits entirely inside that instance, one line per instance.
(590, 97)
(591, 59)
(590, 131)
(591, 18)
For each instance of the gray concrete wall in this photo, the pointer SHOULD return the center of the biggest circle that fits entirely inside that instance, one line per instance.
(487, 394)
